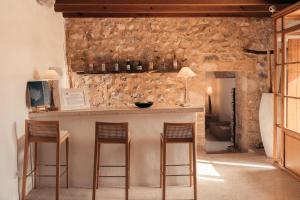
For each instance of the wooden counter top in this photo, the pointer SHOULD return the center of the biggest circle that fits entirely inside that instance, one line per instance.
(119, 111)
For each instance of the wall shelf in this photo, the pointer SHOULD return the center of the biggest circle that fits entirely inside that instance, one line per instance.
(122, 71)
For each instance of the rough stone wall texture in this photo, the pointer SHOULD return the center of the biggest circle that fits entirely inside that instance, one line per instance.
(123, 89)
(203, 44)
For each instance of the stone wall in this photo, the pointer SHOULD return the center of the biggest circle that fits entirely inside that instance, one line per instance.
(203, 44)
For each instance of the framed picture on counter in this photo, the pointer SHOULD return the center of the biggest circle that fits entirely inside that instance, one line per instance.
(74, 99)
(38, 95)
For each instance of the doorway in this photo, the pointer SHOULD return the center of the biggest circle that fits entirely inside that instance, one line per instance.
(220, 112)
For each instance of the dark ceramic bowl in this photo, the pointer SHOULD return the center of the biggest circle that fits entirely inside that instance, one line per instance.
(144, 104)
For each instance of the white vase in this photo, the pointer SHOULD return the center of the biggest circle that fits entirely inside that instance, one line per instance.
(266, 122)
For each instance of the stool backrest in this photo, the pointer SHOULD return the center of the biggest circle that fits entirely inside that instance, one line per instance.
(108, 131)
(42, 128)
(179, 130)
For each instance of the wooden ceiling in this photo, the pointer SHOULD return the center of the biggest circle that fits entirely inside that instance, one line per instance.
(168, 8)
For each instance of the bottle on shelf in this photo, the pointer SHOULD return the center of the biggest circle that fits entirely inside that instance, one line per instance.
(128, 67)
(90, 58)
(117, 66)
(139, 67)
(103, 67)
(91, 67)
(151, 65)
(175, 63)
(164, 65)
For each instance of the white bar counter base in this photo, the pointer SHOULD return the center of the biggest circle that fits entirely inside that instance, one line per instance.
(145, 127)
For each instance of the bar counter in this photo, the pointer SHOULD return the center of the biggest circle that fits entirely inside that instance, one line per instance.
(118, 111)
(145, 127)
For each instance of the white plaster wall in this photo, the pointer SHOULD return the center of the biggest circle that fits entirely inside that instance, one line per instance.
(31, 40)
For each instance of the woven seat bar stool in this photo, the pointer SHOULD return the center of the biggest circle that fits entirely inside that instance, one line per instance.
(45, 132)
(111, 133)
(179, 133)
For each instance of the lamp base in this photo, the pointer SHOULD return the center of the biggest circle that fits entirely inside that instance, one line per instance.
(186, 105)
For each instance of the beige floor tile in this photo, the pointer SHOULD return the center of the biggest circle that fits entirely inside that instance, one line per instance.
(220, 177)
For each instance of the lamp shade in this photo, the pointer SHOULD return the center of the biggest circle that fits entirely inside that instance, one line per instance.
(209, 90)
(185, 72)
(51, 74)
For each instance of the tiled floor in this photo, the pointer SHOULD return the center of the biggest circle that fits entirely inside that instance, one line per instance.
(220, 177)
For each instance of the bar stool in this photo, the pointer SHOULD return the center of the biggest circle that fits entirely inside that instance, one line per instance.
(111, 133)
(44, 132)
(179, 133)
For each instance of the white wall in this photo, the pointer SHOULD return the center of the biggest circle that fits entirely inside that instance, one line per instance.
(225, 98)
(31, 40)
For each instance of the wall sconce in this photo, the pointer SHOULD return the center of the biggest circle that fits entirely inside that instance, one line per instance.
(209, 93)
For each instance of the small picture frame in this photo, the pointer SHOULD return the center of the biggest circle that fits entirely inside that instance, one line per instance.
(38, 95)
(74, 99)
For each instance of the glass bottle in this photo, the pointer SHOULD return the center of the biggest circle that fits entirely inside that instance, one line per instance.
(91, 67)
(103, 68)
(175, 63)
(164, 65)
(151, 65)
(128, 67)
(117, 66)
(139, 67)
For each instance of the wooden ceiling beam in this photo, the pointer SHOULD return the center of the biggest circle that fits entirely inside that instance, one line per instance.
(162, 9)
(122, 15)
(136, 8)
(176, 2)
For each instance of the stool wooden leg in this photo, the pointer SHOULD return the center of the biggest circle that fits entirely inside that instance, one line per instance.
(164, 170)
(30, 165)
(95, 170)
(191, 163)
(129, 164)
(98, 166)
(195, 169)
(161, 164)
(126, 170)
(67, 162)
(57, 170)
(35, 164)
(25, 165)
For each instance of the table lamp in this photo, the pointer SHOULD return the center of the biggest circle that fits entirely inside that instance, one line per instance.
(186, 73)
(51, 76)
(209, 92)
